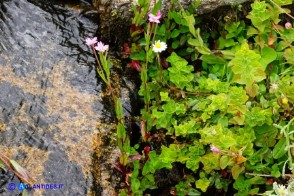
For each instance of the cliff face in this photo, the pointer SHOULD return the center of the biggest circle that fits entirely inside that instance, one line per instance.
(210, 5)
(205, 5)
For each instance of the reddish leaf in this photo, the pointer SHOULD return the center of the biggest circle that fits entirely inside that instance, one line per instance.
(164, 63)
(146, 150)
(17, 169)
(147, 135)
(270, 181)
(238, 159)
(136, 65)
(127, 50)
(224, 173)
(134, 157)
(271, 40)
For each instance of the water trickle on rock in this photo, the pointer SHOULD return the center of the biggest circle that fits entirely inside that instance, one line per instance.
(50, 97)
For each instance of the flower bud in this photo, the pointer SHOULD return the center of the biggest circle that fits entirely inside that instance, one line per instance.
(284, 101)
(288, 25)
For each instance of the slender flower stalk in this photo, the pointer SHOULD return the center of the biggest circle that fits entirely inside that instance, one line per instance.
(103, 70)
(160, 68)
(103, 67)
(91, 42)
(99, 68)
(144, 75)
(153, 38)
(286, 132)
(155, 19)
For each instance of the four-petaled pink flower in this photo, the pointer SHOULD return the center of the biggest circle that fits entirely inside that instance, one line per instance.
(215, 149)
(134, 157)
(288, 25)
(91, 42)
(153, 18)
(101, 47)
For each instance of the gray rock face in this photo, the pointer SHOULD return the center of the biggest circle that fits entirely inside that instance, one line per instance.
(205, 5)
(210, 5)
(115, 15)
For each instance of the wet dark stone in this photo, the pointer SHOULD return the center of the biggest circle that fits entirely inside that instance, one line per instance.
(58, 171)
(50, 92)
(5, 179)
(82, 78)
(11, 97)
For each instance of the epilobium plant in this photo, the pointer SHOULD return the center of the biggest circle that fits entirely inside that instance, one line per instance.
(100, 51)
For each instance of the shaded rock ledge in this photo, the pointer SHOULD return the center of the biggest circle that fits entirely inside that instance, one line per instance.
(115, 15)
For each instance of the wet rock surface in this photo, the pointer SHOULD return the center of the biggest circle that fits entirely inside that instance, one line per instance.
(53, 117)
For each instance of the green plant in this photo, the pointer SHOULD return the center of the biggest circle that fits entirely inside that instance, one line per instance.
(215, 109)
(127, 154)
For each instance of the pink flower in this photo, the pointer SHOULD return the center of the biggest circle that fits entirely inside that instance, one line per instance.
(288, 25)
(134, 157)
(215, 149)
(153, 18)
(91, 42)
(101, 47)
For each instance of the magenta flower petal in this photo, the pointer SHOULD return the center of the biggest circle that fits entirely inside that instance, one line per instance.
(101, 47)
(153, 18)
(214, 149)
(134, 157)
(90, 41)
(158, 14)
(288, 25)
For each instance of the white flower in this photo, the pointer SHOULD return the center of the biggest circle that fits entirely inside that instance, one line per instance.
(280, 190)
(159, 46)
(274, 86)
(213, 132)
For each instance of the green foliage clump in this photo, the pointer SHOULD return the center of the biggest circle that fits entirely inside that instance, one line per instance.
(223, 112)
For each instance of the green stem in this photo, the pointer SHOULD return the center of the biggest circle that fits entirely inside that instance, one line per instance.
(154, 32)
(285, 132)
(144, 78)
(160, 68)
(281, 9)
(96, 57)
(288, 144)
